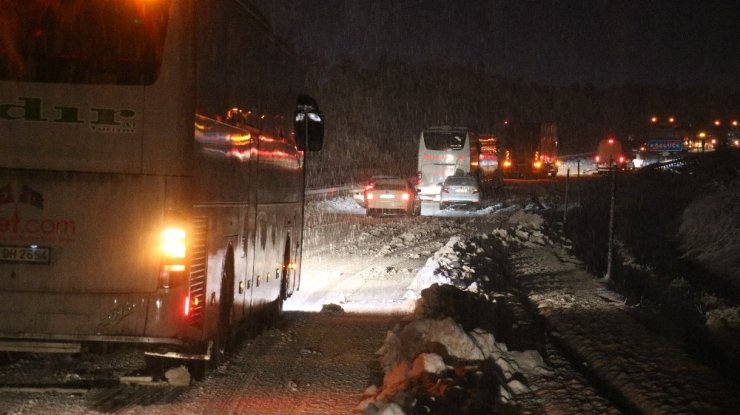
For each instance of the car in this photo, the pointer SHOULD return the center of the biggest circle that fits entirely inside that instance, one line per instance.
(460, 191)
(358, 192)
(391, 196)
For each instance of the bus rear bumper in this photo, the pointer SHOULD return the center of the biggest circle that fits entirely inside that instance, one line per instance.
(70, 344)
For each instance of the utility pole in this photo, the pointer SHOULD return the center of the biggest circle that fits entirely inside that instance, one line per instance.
(610, 243)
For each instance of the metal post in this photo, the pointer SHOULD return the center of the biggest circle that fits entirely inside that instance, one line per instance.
(565, 209)
(610, 243)
(578, 178)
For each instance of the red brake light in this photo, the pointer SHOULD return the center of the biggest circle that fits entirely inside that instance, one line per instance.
(369, 195)
(597, 158)
(405, 196)
(186, 308)
(445, 189)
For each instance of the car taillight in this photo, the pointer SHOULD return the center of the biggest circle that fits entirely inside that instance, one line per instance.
(475, 191)
(405, 196)
(621, 159)
(369, 195)
(597, 158)
(445, 189)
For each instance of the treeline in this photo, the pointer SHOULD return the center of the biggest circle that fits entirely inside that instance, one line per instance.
(375, 113)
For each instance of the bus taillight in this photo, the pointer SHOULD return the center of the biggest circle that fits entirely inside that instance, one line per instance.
(173, 244)
(186, 308)
(173, 251)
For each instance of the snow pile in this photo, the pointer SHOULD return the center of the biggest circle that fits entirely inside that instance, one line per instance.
(708, 235)
(457, 261)
(447, 358)
(338, 205)
(437, 365)
(709, 229)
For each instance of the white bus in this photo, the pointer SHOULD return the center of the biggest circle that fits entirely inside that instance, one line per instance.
(151, 183)
(442, 152)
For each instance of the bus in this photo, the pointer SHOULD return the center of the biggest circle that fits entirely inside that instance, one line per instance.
(152, 174)
(444, 151)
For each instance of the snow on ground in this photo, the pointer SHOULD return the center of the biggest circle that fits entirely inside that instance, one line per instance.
(391, 250)
(432, 354)
(404, 276)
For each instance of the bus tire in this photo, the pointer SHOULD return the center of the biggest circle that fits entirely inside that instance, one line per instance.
(284, 280)
(222, 339)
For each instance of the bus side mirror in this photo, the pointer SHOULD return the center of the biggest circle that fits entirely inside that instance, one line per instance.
(309, 124)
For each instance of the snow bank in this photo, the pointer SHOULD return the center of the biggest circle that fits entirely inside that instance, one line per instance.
(449, 345)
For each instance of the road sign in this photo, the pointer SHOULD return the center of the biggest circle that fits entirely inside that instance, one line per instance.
(664, 145)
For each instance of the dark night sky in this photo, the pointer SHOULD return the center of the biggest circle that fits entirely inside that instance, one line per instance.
(556, 42)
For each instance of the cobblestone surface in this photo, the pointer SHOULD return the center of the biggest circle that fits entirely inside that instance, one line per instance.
(644, 372)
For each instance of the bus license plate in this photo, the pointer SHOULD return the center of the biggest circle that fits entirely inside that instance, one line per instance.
(25, 254)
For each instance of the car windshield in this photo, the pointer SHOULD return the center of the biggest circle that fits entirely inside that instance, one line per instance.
(390, 185)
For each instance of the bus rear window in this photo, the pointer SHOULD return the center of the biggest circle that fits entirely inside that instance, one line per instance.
(82, 41)
(444, 141)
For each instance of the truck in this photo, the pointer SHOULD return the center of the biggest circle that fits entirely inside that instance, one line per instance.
(529, 150)
(609, 153)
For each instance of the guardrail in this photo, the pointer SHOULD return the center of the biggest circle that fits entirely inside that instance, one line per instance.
(327, 192)
(681, 163)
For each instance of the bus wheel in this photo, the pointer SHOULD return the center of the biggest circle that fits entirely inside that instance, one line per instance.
(226, 304)
(283, 295)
